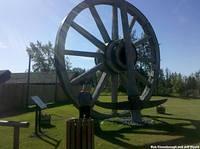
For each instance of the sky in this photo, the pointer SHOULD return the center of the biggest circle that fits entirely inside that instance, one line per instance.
(175, 22)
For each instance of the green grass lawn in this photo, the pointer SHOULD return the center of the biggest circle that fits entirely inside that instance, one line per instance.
(180, 126)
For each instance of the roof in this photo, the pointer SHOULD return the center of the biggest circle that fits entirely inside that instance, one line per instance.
(35, 77)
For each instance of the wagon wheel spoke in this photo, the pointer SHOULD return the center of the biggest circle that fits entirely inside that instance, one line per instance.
(132, 23)
(115, 34)
(86, 75)
(114, 89)
(130, 53)
(89, 36)
(100, 86)
(141, 78)
(147, 59)
(123, 80)
(98, 22)
(82, 53)
(142, 40)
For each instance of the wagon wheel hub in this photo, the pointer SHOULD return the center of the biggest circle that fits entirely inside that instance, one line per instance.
(115, 56)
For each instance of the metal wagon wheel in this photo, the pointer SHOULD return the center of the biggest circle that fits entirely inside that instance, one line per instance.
(122, 60)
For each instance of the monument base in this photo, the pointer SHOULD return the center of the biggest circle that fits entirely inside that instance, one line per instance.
(134, 119)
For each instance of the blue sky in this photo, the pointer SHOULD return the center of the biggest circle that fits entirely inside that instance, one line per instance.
(176, 23)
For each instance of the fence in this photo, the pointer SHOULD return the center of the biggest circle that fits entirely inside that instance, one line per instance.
(13, 94)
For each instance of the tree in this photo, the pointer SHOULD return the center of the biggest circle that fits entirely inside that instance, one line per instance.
(43, 57)
(176, 80)
(77, 71)
(168, 83)
(161, 86)
(197, 76)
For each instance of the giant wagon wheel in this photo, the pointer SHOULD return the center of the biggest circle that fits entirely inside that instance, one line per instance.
(120, 59)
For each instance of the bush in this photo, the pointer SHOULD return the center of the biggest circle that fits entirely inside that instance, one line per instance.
(160, 109)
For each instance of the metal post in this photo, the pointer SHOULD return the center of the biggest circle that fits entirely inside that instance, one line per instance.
(36, 121)
(39, 120)
(56, 89)
(28, 81)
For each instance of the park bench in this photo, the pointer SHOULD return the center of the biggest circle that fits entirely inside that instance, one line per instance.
(4, 76)
(16, 126)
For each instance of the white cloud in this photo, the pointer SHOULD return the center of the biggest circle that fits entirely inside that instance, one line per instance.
(2, 45)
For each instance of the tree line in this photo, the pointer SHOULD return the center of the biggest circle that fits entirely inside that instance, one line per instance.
(176, 84)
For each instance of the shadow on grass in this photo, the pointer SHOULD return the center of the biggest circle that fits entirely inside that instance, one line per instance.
(188, 136)
(55, 143)
(47, 126)
(167, 114)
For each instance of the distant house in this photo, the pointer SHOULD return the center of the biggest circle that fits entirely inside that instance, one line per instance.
(13, 93)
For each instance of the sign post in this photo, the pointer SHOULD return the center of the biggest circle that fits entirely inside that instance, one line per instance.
(40, 105)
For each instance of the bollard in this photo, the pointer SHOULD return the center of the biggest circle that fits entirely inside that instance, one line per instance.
(80, 134)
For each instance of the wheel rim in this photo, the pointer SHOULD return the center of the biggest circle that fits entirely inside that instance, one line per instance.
(114, 68)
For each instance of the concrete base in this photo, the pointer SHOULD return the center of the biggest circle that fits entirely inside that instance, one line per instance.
(136, 116)
(135, 119)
